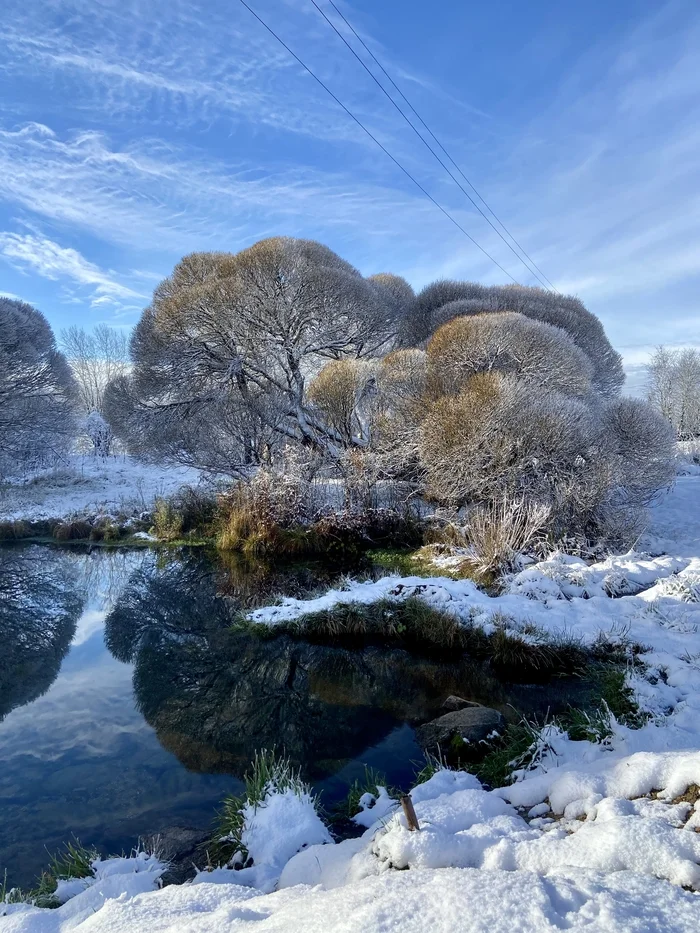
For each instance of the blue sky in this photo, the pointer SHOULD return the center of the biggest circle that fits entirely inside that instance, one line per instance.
(134, 131)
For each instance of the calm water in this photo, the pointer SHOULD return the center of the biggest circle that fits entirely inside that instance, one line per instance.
(128, 706)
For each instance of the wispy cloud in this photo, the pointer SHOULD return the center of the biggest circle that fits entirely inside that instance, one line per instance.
(66, 265)
(175, 200)
(182, 63)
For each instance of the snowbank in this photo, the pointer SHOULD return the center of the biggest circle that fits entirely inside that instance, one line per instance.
(440, 901)
(475, 865)
(123, 878)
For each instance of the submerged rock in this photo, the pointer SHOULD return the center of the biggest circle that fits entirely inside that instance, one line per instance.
(472, 724)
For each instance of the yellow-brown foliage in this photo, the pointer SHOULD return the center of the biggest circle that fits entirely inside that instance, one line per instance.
(336, 392)
(507, 342)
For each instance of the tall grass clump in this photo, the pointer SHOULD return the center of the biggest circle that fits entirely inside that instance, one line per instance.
(498, 532)
(271, 773)
(277, 514)
(253, 516)
(14, 530)
(167, 520)
(76, 530)
(189, 513)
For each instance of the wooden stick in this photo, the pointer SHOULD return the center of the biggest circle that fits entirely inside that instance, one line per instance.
(410, 813)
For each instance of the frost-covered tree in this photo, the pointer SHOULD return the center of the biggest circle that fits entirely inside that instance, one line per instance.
(397, 292)
(400, 405)
(640, 443)
(343, 393)
(37, 390)
(569, 314)
(511, 405)
(232, 341)
(497, 437)
(420, 322)
(673, 386)
(95, 357)
(223, 434)
(466, 392)
(99, 431)
(594, 466)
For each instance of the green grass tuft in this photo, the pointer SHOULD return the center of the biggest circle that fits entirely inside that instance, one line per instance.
(509, 754)
(431, 766)
(74, 860)
(370, 783)
(270, 773)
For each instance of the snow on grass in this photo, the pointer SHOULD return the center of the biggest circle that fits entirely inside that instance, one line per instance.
(275, 819)
(475, 865)
(635, 598)
(88, 485)
(119, 877)
(374, 807)
(274, 830)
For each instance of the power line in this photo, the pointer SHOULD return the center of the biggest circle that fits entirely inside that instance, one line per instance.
(529, 259)
(425, 142)
(375, 140)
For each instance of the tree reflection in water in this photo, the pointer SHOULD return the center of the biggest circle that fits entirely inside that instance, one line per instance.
(215, 696)
(40, 601)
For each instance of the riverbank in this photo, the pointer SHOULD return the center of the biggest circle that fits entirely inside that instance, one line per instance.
(83, 486)
(611, 846)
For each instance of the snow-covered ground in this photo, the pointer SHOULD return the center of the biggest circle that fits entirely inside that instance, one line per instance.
(476, 864)
(602, 837)
(85, 485)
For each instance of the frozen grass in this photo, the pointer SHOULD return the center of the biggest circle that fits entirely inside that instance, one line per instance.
(685, 587)
(77, 530)
(89, 486)
(11, 895)
(498, 533)
(73, 861)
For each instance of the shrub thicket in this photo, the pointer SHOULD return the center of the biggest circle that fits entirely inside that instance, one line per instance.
(472, 395)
